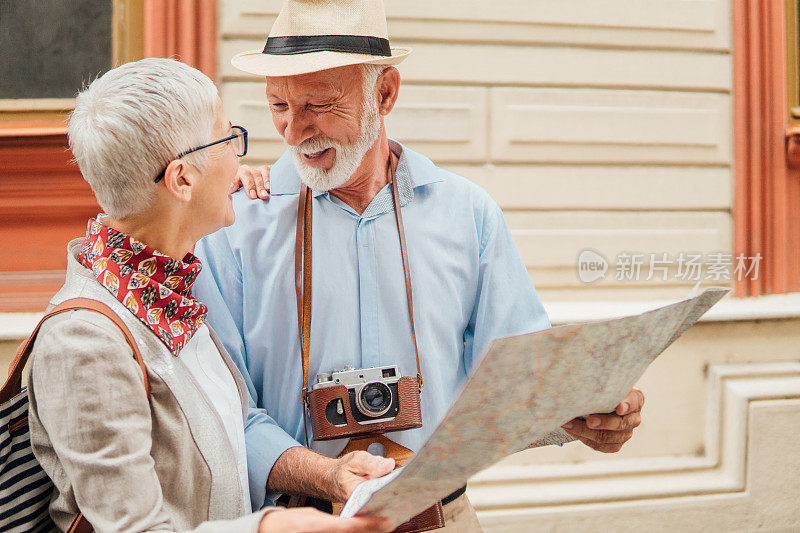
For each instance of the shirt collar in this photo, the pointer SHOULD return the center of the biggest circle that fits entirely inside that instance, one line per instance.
(413, 170)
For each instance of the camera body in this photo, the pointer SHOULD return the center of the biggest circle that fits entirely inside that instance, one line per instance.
(359, 402)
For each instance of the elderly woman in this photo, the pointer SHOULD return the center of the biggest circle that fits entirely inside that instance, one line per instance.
(153, 142)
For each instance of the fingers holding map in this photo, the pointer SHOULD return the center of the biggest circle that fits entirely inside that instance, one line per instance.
(521, 392)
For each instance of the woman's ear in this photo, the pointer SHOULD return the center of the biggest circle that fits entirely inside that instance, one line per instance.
(388, 89)
(179, 180)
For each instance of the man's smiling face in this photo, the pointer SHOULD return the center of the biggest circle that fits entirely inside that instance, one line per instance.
(329, 119)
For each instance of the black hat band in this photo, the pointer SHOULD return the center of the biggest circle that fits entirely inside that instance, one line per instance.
(304, 44)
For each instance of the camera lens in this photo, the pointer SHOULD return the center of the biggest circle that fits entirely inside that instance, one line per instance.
(374, 399)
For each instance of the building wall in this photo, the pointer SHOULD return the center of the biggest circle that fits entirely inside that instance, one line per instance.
(601, 125)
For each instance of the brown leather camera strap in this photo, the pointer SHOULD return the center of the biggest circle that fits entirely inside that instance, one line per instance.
(302, 285)
(302, 276)
(406, 269)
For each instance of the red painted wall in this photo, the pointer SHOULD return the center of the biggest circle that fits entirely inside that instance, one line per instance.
(44, 202)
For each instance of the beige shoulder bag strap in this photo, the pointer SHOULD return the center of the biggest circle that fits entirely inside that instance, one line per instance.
(14, 383)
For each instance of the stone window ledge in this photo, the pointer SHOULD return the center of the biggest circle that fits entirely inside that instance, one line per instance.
(770, 307)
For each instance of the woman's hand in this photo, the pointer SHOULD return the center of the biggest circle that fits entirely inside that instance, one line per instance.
(308, 520)
(254, 180)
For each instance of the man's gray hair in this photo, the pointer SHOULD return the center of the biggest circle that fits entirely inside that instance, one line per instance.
(371, 75)
(132, 121)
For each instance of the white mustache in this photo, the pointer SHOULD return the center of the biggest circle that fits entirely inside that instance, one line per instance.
(314, 146)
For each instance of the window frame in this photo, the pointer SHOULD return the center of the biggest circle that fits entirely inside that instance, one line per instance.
(792, 68)
(127, 44)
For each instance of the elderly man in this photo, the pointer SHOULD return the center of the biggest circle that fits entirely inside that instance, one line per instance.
(330, 83)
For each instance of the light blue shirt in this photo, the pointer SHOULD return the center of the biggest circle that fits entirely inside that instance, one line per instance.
(470, 286)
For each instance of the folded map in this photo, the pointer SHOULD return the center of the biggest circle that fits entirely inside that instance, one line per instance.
(518, 396)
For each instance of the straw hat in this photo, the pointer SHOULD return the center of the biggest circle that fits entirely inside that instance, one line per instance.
(313, 35)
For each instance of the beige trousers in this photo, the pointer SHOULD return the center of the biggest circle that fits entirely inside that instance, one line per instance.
(459, 515)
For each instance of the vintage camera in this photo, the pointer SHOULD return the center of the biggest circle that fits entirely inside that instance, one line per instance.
(359, 402)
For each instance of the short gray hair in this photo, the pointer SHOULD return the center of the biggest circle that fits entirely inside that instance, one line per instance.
(132, 121)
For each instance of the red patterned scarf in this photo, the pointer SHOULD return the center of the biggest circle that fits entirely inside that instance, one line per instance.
(154, 287)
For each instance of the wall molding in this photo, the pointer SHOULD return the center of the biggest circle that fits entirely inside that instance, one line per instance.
(658, 24)
(770, 307)
(507, 494)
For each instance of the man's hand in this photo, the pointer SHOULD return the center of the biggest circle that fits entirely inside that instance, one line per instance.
(608, 432)
(254, 180)
(310, 520)
(356, 467)
(302, 471)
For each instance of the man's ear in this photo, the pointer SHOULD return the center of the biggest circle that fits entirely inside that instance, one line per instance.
(388, 89)
(179, 180)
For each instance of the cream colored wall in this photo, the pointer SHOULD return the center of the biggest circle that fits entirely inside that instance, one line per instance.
(7, 350)
(603, 125)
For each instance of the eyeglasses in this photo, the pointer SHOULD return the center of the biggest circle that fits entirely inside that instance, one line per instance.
(239, 139)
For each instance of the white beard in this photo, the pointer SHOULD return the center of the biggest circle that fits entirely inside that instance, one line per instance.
(348, 156)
